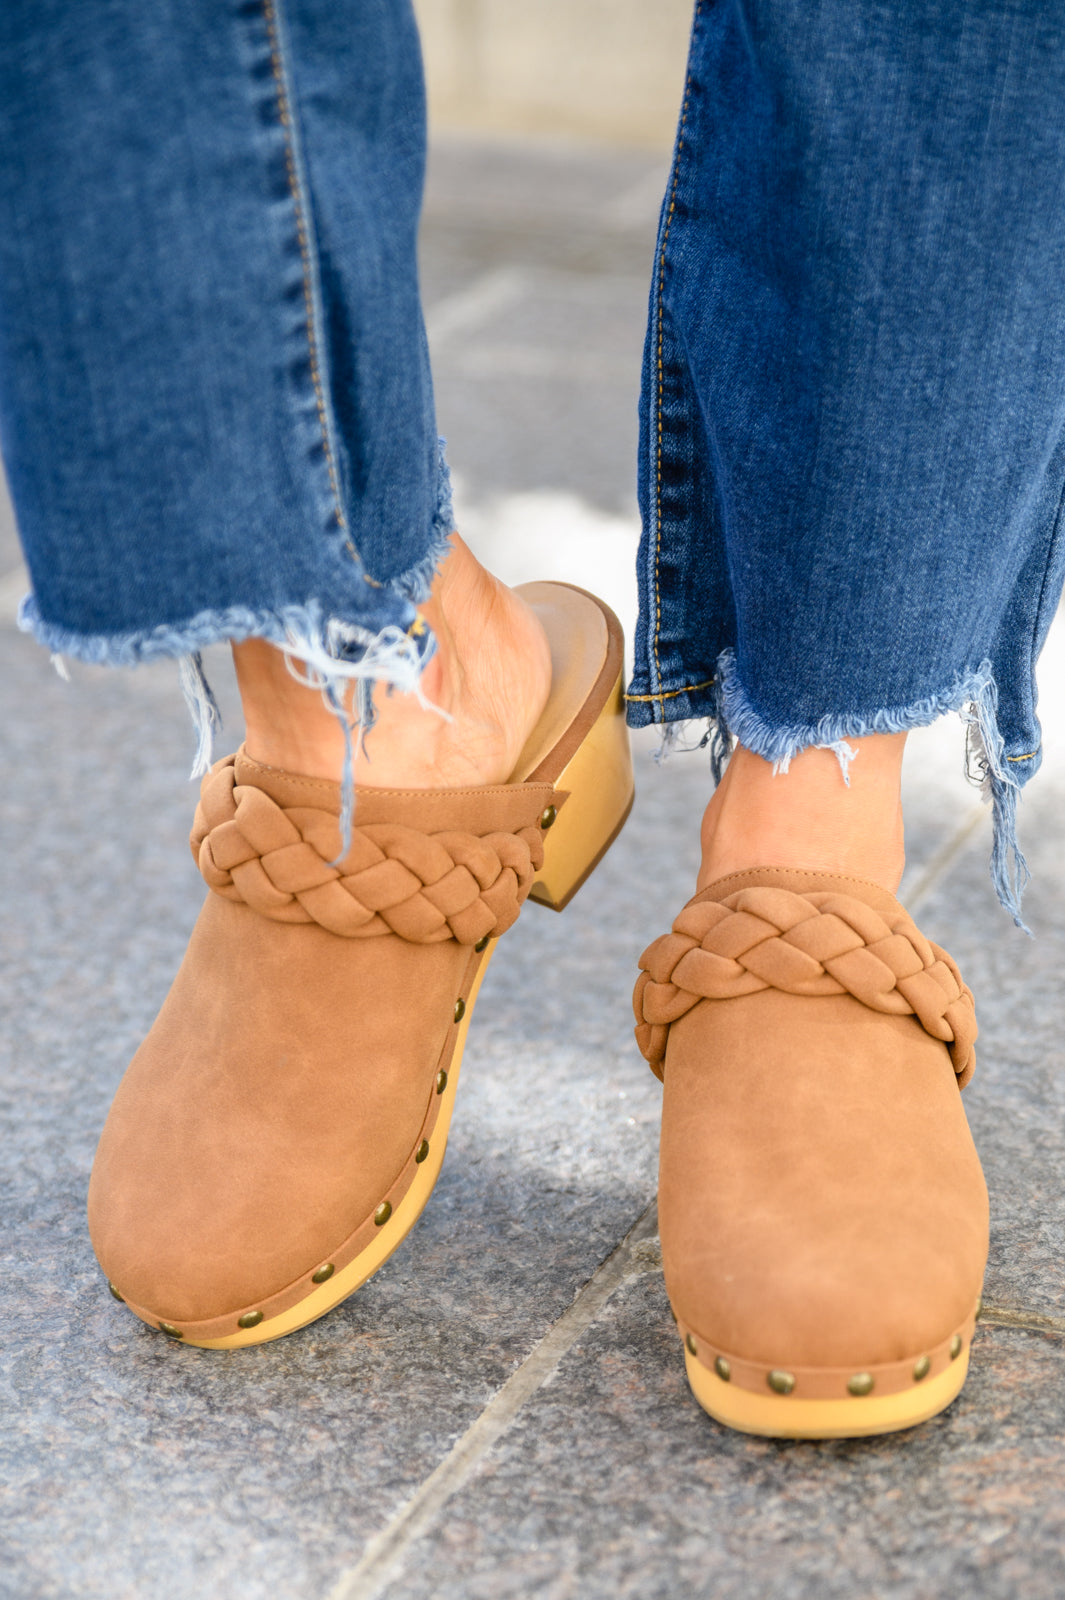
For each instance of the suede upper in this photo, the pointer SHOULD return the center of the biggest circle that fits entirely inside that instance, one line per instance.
(821, 1203)
(458, 867)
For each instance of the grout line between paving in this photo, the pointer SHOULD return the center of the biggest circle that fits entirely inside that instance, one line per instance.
(939, 866)
(1028, 1321)
(386, 1549)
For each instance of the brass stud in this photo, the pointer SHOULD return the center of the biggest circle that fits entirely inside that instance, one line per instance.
(723, 1369)
(921, 1368)
(547, 817)
(482, 944)
(460, 1009)
(422, 1151)
(383, 1212)
(780, 1382)
(955, 1347)
(324, 1273)
(250, 1319)
(170, 1331)
(115, 1292)
(860, 1384)
(690, 1342)
(441, 1081)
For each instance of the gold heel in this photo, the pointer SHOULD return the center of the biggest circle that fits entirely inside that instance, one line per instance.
(599, 781)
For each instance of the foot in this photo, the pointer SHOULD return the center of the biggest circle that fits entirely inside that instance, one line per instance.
(490, 674)
(810, 817)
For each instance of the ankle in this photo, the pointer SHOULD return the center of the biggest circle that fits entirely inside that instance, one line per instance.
(286, 723)
(810, 817)
(482, 692)
(491, 674)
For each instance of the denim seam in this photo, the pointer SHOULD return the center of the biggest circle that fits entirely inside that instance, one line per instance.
(671, 694)
(667, 226)
(300, 209)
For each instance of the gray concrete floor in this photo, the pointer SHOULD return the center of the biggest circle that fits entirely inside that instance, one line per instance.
(502, 1410)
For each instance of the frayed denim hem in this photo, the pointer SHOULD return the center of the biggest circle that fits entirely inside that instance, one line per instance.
(323, 652)
(974, 697)
(231, 624)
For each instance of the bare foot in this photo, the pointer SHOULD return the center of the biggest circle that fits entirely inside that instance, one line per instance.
(491, 673)
(809, 817)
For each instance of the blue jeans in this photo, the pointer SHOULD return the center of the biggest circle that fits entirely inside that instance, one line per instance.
(215, 402)
(216, 409)
(852, 459)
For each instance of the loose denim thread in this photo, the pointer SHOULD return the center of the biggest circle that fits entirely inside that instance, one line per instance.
(974, 697)
(332, 655)
(400, 668)
(319, 660)
(203, 709)
(986, 765)
(392, 657)
(716, 736)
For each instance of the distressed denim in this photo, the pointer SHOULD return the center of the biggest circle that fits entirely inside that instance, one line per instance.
(852, 454)
(215, 403)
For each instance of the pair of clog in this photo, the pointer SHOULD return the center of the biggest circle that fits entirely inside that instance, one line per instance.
(823, 1215)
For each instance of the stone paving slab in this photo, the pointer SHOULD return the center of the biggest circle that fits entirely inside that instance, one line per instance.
(613, 1482)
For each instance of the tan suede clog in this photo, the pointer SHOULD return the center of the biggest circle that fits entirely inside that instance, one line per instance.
(282, 1126)
(823, 1213)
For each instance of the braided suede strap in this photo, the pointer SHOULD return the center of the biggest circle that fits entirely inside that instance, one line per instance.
(805, 944)
(426, 887)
